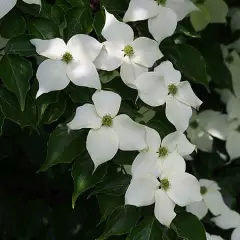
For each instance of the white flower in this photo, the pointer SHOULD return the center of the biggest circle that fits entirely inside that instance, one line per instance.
(162, 156)
(205, 126)
(109, 132)
(229, 219)
(7, 5)
(158, 13)
(212, 200)
(71, 61)
(164, 86)
(120, 49)
(213, 237)
(233, 138)
(210, 12)
(146, 9)
(176, 188)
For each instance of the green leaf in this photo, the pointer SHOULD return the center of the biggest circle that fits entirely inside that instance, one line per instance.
(11, 110)
(43, 28)
(12, 24)
(216, 66)
(54, 111)
(20, 45)
(188, 226)
(2, 117)
(189, 61)
(63, 146)
(15, 73)
(98, 23)
(79, 20)
(115, 187)
(116, 5)
(106, 76)
(148, 229)
(83, 176)
(79, 94)
(121, 221)
(52, 12)
(79, 3)
(108, 204)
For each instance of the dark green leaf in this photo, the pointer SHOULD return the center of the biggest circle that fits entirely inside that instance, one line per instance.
(83, 175)
(15, 73)
(116, 187)
(108, 204)
(188, 226)
(52, 12)
(32, 9)
(54, 111)
(216, 67)
(12, 24)
(20, 45)
(2, 117)
(148, 229)
(11, 110)
(189, 61)
(43, 28)
(79, 3)
(116, 5)
(98, 23)
(79, 20)
(80, 94)
(106, 77)
(63, 146)
(121, 221)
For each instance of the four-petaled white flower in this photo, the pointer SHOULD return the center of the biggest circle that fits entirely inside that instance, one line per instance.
(109, 132)
(7, 5)
(227, 220)
(162, 156)
(205, 126)
(67, 62)
(159, 12)
(212, 200)
(120, 49)
(164, 86)
(177, 187)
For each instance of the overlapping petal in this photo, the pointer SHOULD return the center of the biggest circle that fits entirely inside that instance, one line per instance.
(85, 117)
(164, 208)
(102, 145)
(6, 6)
(106, 103)
(141, 191)
(51, 75)
(199, 209)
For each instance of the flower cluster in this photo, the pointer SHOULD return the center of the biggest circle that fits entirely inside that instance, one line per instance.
(159, 170)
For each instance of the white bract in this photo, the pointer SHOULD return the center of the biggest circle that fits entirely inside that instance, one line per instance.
(210, 12)
(67, 62)
(212, 200)
(109, 132)
(229, 219)
(164, 86)
(7, 5)
(177, 187)
(213, 237)
(153, 9)
(162, 156)
(120, 49)
(205, 126)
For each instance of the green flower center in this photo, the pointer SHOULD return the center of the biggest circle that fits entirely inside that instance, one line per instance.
(194, 124)
(172, 89)
(128, 50)
(162, 152)
(203, 190)
(67, 57)
(107, 121)
(162, 2)
(165, 184)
